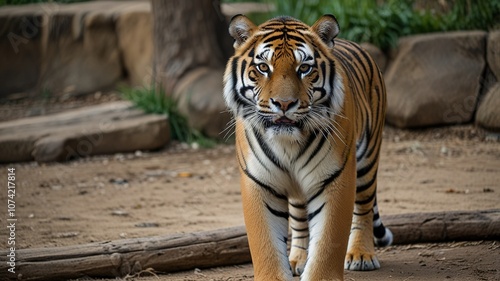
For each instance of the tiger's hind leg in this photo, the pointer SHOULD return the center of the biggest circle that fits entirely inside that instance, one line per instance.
(361, 251)
(382, 235)
(366, 225)
(300, 236)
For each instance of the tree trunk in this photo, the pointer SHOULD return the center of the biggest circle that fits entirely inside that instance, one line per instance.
(187, 34)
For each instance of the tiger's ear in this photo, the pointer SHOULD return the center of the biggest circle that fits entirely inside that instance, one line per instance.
(241, 28)
(327, 29)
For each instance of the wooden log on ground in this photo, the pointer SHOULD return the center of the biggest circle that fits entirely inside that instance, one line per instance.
(221, 247)
(444, 226)
(168, 253)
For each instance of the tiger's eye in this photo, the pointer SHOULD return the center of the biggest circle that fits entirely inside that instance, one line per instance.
(304, 68)
(264, 68)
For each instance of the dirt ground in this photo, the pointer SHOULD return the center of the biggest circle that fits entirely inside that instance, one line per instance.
(183, 189)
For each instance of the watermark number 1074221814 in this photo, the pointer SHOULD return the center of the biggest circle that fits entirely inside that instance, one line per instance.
(11, 219)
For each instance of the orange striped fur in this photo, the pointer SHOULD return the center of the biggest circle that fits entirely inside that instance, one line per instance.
(309, 113)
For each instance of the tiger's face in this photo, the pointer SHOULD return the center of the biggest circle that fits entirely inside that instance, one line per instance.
(282, 78)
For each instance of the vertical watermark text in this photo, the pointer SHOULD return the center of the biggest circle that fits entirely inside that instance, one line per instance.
(11, 220)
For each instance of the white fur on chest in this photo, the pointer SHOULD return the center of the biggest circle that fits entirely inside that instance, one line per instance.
(292, 171)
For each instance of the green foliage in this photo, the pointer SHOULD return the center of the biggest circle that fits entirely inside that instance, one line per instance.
(383, 22)
(155, 101)
(469, 14)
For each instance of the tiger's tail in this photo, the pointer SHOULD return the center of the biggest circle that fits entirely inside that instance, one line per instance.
(382, 235)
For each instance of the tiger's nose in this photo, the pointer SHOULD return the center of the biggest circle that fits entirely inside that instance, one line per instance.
(284, 104)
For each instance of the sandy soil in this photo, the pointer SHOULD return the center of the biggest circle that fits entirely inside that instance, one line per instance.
(183, 189)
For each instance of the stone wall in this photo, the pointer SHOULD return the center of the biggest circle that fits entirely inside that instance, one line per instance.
(77, 48)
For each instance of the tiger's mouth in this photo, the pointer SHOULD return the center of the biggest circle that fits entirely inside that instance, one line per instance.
(282, 122)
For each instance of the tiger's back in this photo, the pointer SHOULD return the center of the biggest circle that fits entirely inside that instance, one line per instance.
(309, 112)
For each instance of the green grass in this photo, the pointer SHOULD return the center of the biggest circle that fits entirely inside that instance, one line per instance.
(155, 101)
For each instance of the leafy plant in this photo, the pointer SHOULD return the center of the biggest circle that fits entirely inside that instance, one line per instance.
(468, 14)
(153, 100)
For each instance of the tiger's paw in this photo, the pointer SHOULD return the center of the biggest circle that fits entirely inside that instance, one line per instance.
(359, 261)
(298, 261)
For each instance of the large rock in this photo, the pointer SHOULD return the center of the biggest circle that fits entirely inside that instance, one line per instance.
(134, 28)
(488, 113)
(491, 74)
(493, 53)
(200, 98)
(80, 51)
(435, 79)
(104, 129)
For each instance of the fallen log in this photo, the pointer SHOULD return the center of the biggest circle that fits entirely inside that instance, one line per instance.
(118, 258)
(221, 247)
(444, 226)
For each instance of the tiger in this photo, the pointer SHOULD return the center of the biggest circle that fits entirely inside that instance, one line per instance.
(308, 113)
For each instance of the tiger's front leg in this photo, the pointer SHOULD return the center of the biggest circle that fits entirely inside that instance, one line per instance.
(300, 236)
(330, 216)
(266, 221)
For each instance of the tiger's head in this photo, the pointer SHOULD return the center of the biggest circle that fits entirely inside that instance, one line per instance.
(281, 79)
